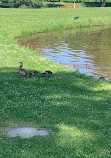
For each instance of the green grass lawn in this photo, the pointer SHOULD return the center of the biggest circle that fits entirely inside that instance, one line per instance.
(76, 108)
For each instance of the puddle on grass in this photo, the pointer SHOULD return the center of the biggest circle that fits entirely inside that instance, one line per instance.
(26, 132)
(89, 45)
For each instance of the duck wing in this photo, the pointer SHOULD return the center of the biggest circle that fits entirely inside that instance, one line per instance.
(23, 72)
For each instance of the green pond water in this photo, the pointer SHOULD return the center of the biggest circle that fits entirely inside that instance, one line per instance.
(81, 46)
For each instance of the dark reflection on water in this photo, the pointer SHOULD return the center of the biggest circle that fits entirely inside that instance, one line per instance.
(81, 46)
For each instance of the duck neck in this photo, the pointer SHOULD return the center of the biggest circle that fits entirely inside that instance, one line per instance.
(20, 67)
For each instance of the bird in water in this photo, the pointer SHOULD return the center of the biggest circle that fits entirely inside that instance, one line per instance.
(63, 64)
(77, 68)
(47, 73)
(22, 71)
(101, 78)
(88, 67)
(72, 65)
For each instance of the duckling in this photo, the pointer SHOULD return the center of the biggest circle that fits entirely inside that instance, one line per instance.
(63, 64)
(48, 73)
(22, 71)
(101, 78)
(72, 65)
(77, 68)
(88, 67)
(33, 72)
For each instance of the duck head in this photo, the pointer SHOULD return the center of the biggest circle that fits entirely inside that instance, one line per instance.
(21, 64)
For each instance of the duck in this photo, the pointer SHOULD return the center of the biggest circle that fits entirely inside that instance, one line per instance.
(47, 73)
(76, 18)
(33, 72)
(63, 64)
(72, 65)
(88, 67)
(22, 71)
(77, 67)
(101, 78)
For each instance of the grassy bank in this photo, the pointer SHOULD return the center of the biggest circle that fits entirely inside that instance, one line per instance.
(75, 107)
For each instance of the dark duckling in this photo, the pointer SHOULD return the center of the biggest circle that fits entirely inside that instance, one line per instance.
(101, 78)
(33, 72)
(76, 18)
(47, 73)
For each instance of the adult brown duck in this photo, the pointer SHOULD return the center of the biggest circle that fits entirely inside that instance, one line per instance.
(22, 71)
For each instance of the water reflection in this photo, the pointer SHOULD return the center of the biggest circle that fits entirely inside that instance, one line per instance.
(77, 46)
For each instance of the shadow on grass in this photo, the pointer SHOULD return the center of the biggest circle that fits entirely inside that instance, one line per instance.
(64, 102)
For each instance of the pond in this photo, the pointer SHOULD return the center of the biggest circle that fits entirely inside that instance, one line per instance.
(73, 47)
